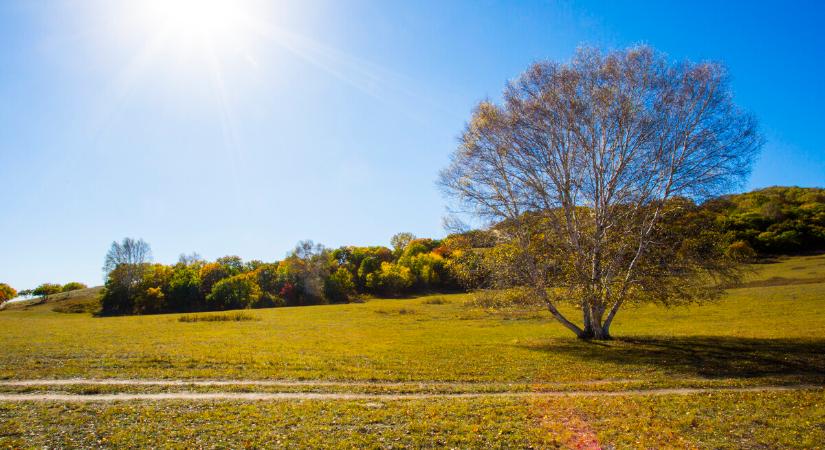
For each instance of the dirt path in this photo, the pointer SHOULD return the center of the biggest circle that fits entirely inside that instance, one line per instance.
(291, 383)
(251, 396)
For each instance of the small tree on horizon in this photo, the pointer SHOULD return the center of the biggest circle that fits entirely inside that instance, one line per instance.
(399, 241)
(586, 170)
(6, 293)
(47, 289)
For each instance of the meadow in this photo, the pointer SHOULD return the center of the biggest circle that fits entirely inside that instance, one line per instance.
(744, 372)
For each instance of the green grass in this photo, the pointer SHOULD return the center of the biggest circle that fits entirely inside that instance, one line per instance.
(753, 332)
(770, 331)
(745, 420)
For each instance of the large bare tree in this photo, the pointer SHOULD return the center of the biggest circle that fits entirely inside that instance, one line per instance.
(591, 171)
(130, 251)
(132, 256)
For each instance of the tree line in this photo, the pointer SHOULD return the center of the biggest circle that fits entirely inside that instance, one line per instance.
(743, 227)
(723, 231)
(310, 274)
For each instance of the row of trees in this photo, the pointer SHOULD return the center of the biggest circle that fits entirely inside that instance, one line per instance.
(47, 289)
(310, 274)
(708, 237)
(776, 220)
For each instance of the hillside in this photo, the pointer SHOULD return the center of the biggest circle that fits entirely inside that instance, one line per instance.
(79, 301)
(774, 220)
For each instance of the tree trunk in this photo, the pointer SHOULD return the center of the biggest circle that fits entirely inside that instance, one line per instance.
(587, 319)
(594, 328)
(602, 333)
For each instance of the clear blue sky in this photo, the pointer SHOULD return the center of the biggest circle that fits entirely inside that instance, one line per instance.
(326, 120)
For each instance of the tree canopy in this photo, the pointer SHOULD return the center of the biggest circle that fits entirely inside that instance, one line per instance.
(474, 260)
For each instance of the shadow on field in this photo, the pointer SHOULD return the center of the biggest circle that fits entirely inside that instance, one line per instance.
(707, 356)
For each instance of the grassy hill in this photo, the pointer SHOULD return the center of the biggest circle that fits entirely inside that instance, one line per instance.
(768, 332)
(78, 301)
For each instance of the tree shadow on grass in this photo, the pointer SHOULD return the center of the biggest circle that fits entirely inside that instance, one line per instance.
(706, 356)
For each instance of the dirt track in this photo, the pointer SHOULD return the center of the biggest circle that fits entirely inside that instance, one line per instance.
(254, 396)
(284, 383)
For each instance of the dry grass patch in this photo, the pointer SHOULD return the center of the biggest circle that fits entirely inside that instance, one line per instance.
(237, 316)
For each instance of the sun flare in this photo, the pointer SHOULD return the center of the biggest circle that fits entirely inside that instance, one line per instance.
(197, 18)
(184, 24)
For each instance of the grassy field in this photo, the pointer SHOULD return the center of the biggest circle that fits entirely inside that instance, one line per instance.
(768, 332)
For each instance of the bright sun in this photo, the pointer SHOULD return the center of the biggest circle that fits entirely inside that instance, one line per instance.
(188, 24)
(197, 18)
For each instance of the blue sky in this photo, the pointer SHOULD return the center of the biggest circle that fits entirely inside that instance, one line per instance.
(327, 120)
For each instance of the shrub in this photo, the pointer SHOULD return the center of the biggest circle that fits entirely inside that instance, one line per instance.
(427, 268)
(740, 251)
(289, 293)
(73, 286)
(150, 301)
(468, 269)
(47, 289)
(339, 286)
(271, 284)
(240, 291)
(226, 317)
(6, 292)
(184, 288)
(210, 274)
(417, 246)
(391, 279)
(400, 311)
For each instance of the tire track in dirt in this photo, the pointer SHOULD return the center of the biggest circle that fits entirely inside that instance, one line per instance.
(291, 383)
(257, 396)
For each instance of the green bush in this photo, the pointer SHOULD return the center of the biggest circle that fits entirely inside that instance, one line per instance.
(47, 289)
(339, 286)
(6, 292)
(392, 280)
(73, 286)
(740, 251)
(184, 288)
(238, 292)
